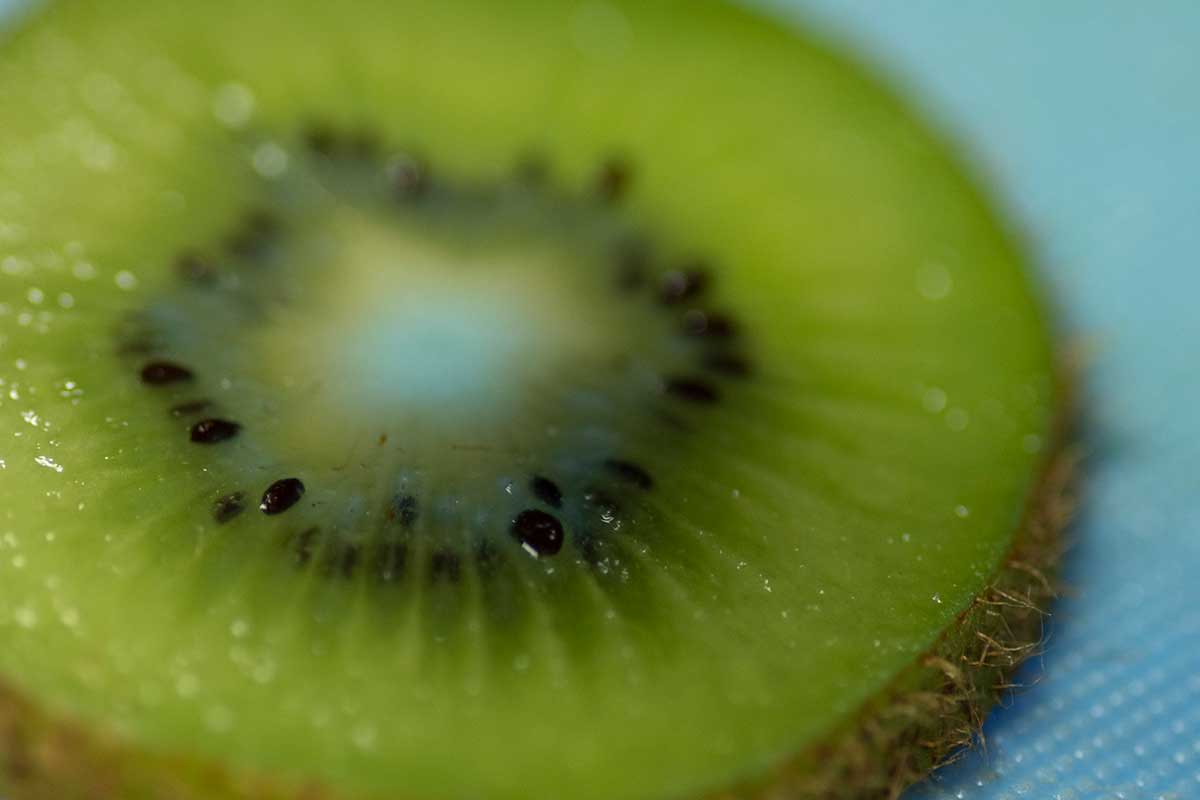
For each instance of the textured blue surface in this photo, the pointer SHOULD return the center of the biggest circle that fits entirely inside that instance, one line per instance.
(1086, 118)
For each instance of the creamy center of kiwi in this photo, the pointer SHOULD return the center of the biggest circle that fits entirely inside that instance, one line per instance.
(419, 338)
(380, 356)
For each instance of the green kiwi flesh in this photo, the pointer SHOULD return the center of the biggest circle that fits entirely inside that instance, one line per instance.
(344, 453)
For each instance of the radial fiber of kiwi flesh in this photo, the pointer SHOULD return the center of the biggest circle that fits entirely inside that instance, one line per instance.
(598, 400)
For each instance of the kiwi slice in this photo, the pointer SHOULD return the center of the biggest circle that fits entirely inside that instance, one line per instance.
(439, 400)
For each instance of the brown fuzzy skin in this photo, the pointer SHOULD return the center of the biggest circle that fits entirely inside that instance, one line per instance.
(931, 711)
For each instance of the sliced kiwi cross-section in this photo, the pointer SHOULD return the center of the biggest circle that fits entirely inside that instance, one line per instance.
(419, 399)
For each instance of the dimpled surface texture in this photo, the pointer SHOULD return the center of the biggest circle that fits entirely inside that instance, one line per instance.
(1086, 114)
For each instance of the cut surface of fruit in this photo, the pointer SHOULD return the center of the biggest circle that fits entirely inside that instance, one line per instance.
(592, 400)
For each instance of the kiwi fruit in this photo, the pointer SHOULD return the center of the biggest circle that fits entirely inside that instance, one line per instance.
(443, 400)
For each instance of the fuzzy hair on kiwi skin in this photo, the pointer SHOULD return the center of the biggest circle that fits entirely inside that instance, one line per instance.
(931, 712)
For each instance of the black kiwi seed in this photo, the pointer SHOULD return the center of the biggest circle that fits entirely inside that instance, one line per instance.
(445, 565)
(212, 431)
(227, 507)
(538, 532)
(409, 176)
(683, 284)
(693, 390)
(162, 373)
(190, 407)
(546, 490)
(612, 181)
(281, 495)
(630, 473)
(734, 366)
(713, 326)
(403, 509)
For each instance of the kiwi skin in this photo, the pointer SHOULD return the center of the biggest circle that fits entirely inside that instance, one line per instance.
(932, 709)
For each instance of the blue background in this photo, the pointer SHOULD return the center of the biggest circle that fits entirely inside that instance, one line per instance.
(1085, 118)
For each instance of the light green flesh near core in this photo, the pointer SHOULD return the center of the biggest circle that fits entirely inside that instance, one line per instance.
(804, 541)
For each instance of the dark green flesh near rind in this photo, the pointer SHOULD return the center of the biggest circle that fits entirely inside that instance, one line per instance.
(790, 540)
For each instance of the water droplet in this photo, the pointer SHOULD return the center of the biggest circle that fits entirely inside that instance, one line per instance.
(26, 617)
(48, 463)
(218, 719)
(264, 672)
(364, 737)
(186, 685)
(11, 265)
(270, 160)
(934, 400)
(957, 419)
(126, 280)
(934, 281)
(233, 105)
